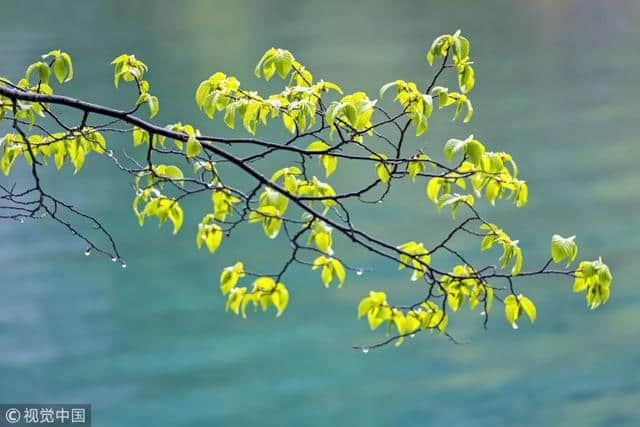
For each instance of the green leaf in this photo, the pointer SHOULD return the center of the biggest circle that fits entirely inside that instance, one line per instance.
(382, 168)
(44, 72)
(338, 268)
(77, 154)
(365, 305)
(383, 172)
(62, 66)
(386, 87)
(466, 79)
(433, 189)
(280, 299)
(330, 268)
(512, 310)
(209, 233)
(455, 201)
(452, 147)
(283, 65)
(470, 146)
(176, 216)
(193, 147)
(460, 47)
(330, 164)
(229, 277)
(151, 101)
(213, 239)
(430, 57)
(9, 156)
(318, 146)
(230, 116)
(475, 150)
(595, 278)
(492, 190)
(517, 265)
(417, 166)
(469, 115)
(528, 307)
(139, 136)
(154, 106)
(562, 248)
(270, 218)
(269, 54)
(327, 276)
(59, 69)
(68, 65)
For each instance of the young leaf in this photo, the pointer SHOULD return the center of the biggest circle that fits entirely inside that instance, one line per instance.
(193, 147)
(382, 168)
(512, 310)
(562, 248)
(528, 307)
(230, 276)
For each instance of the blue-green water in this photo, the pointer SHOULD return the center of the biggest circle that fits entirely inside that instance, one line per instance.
(152, 345)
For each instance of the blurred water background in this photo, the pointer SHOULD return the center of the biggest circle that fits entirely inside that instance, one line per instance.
(152, 345)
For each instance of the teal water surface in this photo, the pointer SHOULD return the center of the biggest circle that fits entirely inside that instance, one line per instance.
(152, 345)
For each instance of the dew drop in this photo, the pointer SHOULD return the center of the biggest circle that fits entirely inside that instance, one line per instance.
(114, 259)
(124, 265)
(21, 221)
(365, 350)
(87, 252)
(359, 272)
(379, 202)
(412, 336)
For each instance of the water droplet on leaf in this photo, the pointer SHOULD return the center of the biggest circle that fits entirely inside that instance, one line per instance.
(365, 350)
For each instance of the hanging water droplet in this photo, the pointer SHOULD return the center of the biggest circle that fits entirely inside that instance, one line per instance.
(21, 221)
(114, 259)
(365, 350)
(412, 336)
(110, 153)
(87, 252)
(124, 265)
(359, 272)
(379, 202)
(483, 313)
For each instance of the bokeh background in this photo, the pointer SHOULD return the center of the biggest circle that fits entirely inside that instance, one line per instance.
(152, 345)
